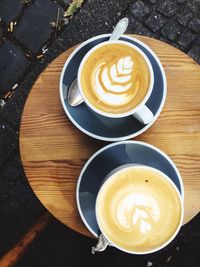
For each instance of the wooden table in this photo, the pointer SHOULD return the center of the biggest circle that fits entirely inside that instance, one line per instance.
(53, 150)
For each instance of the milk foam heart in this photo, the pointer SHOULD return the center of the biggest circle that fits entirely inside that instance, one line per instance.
(137, 210)
(115, 78)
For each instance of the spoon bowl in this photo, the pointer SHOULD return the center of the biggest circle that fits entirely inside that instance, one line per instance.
(74, 97)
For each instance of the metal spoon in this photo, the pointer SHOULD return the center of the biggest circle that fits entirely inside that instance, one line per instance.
(74, 97)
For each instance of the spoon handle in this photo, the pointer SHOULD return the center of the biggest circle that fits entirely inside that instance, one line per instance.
(101, 245)
(119, 29)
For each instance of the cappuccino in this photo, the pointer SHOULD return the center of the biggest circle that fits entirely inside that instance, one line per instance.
(138, 209)
(115, 78)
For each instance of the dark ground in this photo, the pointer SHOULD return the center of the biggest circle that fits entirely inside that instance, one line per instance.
(23, 56)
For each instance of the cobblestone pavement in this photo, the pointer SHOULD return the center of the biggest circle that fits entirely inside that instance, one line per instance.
(32, 33)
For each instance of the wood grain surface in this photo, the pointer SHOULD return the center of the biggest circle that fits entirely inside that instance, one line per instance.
(53, 150)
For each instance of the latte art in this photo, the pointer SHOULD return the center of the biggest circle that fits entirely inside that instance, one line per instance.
(115, 78)
(138, 209)
(112, 83)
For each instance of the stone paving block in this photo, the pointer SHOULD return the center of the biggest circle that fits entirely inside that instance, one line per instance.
(10, 9)
(155, 21)
(142, 30)
(8, 142)
(12, 110)
(13, 64)
(195, 53)
(25, 219)
(8, 210)
(133, 23)
(4, 186)
(194, 5)
(171, 30)
(139, 9)
(168, 7)
(137, 27)
(34, 28)
(11, 169)
(197, 40)
(195, 24)
(180, 2)
(186, 38)
(15, 221)
(152, 1)
(35, 206)
(11, 233)
(21, 190)
(1, 32)
(66, 2)
(184, 16)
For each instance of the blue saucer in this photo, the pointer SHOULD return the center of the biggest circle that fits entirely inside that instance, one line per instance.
(109, 158)
(100, 127)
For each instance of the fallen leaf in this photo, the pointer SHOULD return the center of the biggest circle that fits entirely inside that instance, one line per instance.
(73, 7)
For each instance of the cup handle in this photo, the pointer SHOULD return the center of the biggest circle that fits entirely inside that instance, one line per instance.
(101, 244)
(144, 115)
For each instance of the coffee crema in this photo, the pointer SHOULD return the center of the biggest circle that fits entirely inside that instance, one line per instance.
(138, 209)
(115, 78)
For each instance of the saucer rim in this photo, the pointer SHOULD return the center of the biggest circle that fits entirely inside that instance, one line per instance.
(121, 138)
(116, 144)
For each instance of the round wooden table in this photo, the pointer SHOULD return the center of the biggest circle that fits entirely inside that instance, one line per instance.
(53, 150)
